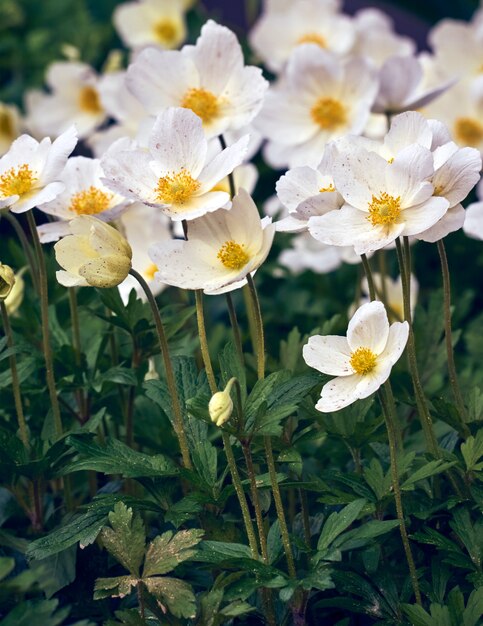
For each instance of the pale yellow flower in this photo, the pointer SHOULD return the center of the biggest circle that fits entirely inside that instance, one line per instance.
(7, 281)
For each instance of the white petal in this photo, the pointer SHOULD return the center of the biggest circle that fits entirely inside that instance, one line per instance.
(451, 221)
(328, 354)
(70, 280)
(31, 200)
(458, 175)
(338, 393)
(197, 206)
(358, 175)
(406, 129)
(128, 172)
(53, 231)
(369, 328)
(396, 342)
(411, 166)
(57, 155)
(420, 218)
(223, 164)
(473, 226)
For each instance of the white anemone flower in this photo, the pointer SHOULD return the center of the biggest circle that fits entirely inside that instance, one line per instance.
(151, 22)
(376, 39)
(209, 78)
(402, 86)
(222, 248)
(306, 192)
(457, 170)
(143, 226)
(319, 98)
(383, 199)
(306, 21)
(173, 173)
(30, 171)
(10, 122)
(306, 253)
(84, 194)
(362, 361)
(74, 99)
(473, 224)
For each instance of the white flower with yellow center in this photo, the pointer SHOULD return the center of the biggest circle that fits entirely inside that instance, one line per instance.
(10, 122)
(74, 99)
(383, 200)
(30, 171)
(306, 191)
(362, 361)
(209, 78)
(94, 254)
(306, 21)
(143, 226)
(84, 194)
(473, 224)
(151, 22)
(319, 98)
(222, 248)
(173, 173)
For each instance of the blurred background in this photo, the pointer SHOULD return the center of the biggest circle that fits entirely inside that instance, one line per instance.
(33, 33)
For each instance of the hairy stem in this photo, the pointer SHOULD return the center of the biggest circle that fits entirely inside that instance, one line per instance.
(235, 327)
(168, 366)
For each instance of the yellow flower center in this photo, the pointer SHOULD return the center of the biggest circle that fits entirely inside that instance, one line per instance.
(328, 113)
(391, 160)
(329, 188)
(313, 38)
(232, 255)
(89, 101)
(166, 32)
(468, 131)
(202, 102)
(150, 271)
(90, 201)
(363, 361)
(17, 181)
(384, 210)
(176, 188)
(6, 125)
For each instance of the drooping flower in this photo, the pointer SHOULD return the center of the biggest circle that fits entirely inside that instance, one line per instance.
(95, 255)
(84, 194)
(308, 21)
(209, 78)
(74, 99)
(10, 122)
(15, 298)
(30, 171)
(222, 248)
(174, 173)
(151, 22)
(7, 281)
(362, 361)
(319, 98)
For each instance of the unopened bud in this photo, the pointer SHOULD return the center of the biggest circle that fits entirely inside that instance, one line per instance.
(7, 281)
(220, 406)
(151, 374)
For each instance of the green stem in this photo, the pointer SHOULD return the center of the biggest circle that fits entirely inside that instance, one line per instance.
(370, 280)
(267, 441)
(205, 353)
(453, 378)
(423, 411)
(168, 366)
(74, 316)
(22, 425)
(235, 327)
(247, 453)
(389, 417)
(44, 309)
(231, 178)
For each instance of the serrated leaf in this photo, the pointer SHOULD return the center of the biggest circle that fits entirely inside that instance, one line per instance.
(472, 451)
(337, 522)
(116, 587)
(166, 551)
(126, 538)
(176, 594)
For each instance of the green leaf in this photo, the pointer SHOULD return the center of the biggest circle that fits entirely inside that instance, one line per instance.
(119, 375)
(472, 451)
(6, 566)
(218, 551)
(57, 571)
(126, 539)
(231, 366)
(166, 551)
(429, 469)
(36, 612)
(114, 587)
(176, 594)
(359, 537)
(337, 522)
(474, 608)
(114, 457)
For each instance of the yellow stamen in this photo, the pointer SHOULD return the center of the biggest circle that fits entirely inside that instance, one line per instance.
(468, 131)
(202, 102)
(329, 188)
(328, 113)
(176, 188)
(313, 38)
(384, 210)
(232, 255)
(166, 31)
(150, 271)
(89, 100)
(17, 181)
(391, 160)
(90, 201)
(363, 361)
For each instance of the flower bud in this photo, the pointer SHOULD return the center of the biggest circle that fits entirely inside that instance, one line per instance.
(7, 281)
(15, 297)
(96, 254)
(151, 374)
(220, 406)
